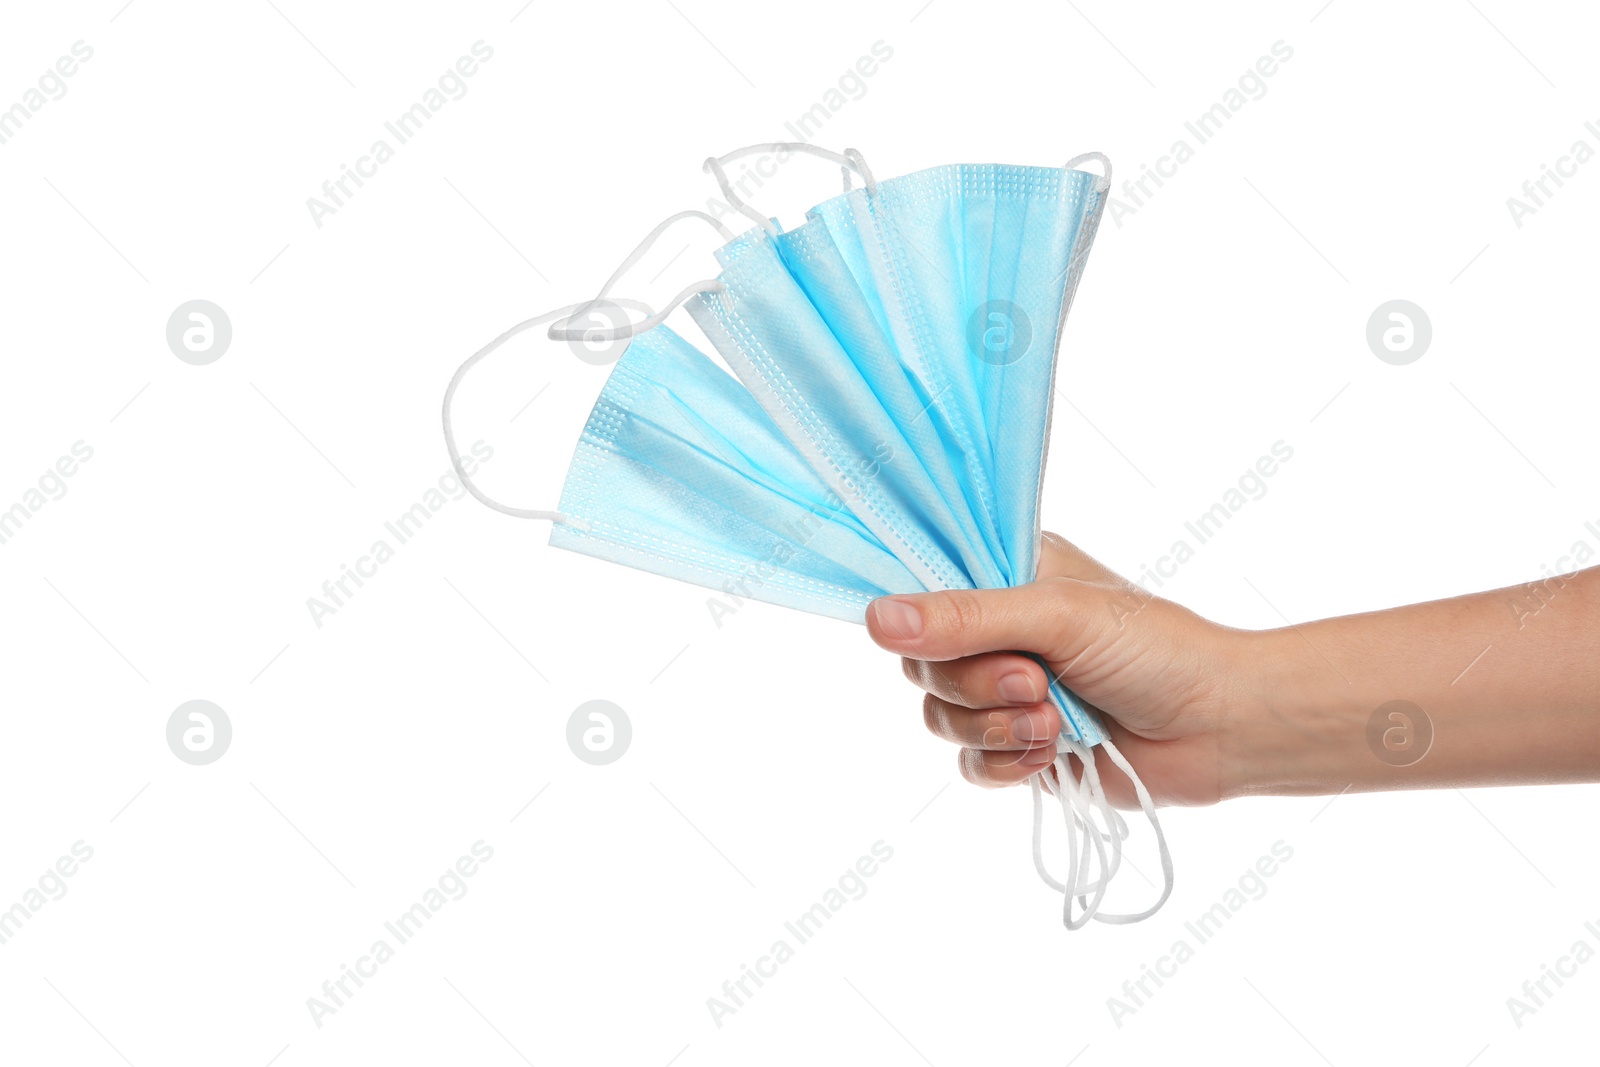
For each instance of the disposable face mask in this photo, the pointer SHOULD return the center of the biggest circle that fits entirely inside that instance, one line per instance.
(884, 430)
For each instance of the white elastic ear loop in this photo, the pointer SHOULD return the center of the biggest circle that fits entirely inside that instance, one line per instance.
(1078, 885)
(1147, 806)
(1078, 800)
(848, 160)
(449, 429)
(1038, 835)
(1115, 825)
(1116, 828)
(1075, 798)
(1085, 798)
(561, 331)
(1093, 797)
(1102, 182)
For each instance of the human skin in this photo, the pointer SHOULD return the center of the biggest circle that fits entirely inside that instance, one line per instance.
(1509, 681)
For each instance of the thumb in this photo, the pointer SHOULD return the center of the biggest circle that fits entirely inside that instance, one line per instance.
(1045, 617)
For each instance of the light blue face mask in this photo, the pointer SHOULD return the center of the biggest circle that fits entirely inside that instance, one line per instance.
(886, 430)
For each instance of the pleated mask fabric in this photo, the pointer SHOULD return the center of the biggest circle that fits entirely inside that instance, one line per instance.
(918, 319)
(680, 472)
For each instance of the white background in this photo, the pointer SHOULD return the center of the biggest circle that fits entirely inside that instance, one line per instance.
(369, 753)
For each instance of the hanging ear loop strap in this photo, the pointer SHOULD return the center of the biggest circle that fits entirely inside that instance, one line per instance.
(848, 160)
(1102, 182)
(1147, 806)
(560, 317)
(449, 429)
(1078, 800)
(562, 330)
(1075, 798)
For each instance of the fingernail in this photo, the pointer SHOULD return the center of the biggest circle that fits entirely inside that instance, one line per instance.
(898, 618)
(1017, 688)
(1031, 726)
(1038, 757)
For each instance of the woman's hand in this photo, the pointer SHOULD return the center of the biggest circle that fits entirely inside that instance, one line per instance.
(1165, 680)
(1204, 712)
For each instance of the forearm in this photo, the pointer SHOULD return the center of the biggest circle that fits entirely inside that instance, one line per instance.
(1507, 683)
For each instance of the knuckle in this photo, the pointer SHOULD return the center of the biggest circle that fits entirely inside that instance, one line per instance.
(1062, 600)
(963, 610)
(1056, 585)
(935, 717)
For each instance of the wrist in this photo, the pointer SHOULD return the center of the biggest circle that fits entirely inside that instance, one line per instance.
(1293, 728)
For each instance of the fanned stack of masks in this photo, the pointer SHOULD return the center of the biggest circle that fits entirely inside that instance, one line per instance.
(884, 430)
